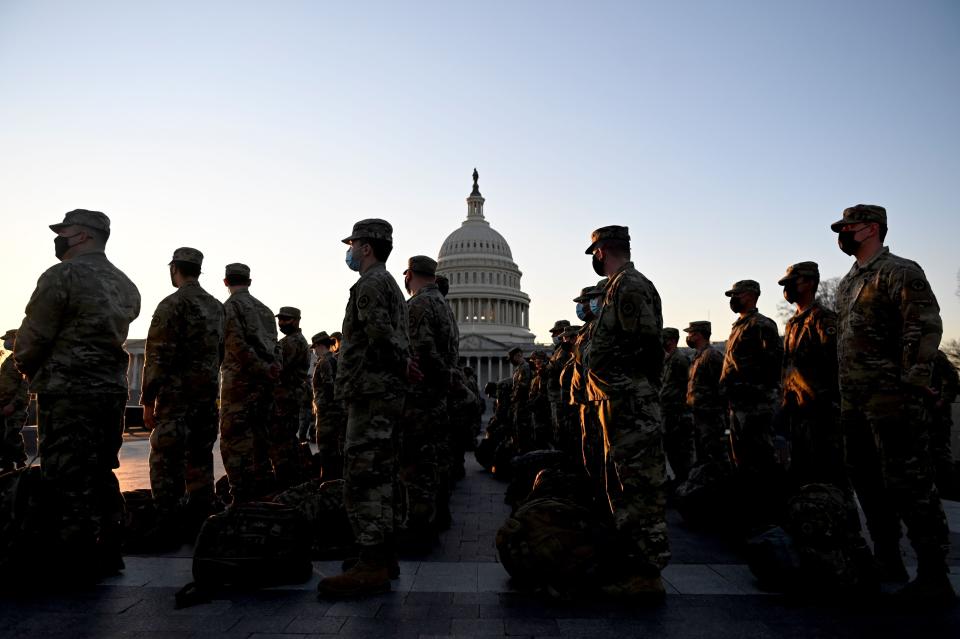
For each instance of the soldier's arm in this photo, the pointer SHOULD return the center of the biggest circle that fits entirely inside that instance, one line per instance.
(950, 385)
(827, 330)
(922, 327)
(158, 352)
(44, 316)
(772, 349)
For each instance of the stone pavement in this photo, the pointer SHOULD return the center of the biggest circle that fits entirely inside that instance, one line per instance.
(460, 590)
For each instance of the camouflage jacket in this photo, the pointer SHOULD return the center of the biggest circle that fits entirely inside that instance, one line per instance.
(295, 371)
(184, 347)
(324, 376)
(673, 382)
(501, 406)
(432, 340)
(888, 327)
(375, 348)
(577, 393)
(945, 381)
(71, 340)
(13, 387)
(555, 366)
(810, 358)
(520, 392)
(703, 383)
(250, 342)
(751, 363)
(626, 348)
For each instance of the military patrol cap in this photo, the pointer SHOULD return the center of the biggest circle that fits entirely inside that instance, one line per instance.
(515, 349)
(559, 326)
(11, 334)
(321, 338)
(606, 233)
(537, 354)
(422, 264)
(371, 229)
(83, 217)
(572, 330)
(587, 293)
(237, 269)
(800, 269)
(861, 213)
(289, 311)
(743, 286)
(187, 254)
(336, 336)
(702, 326)
(670, 333)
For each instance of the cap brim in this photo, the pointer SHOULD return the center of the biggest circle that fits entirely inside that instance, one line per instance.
(56, 227)
(836, 226)
(786, 278)
(730, 293)
(591, 248)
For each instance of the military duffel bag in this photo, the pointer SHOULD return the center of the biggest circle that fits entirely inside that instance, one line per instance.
(22, 528)
(139, 521)
(321, 504)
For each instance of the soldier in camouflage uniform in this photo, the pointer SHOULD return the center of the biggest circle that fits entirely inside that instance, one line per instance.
(372, 377)
(554, 365)
(889, 329)
(181, 378)
(945, 384)
(811, 391)
(251, 366)
(623, 377)
(70, 348)
(14, 397)
(704, 396)
(677, 418)
(520, 401)
(288, 395)
(539, 401)
(750, 380)
(425, 417)
(568, 437)
(331, 417)
(589, 303)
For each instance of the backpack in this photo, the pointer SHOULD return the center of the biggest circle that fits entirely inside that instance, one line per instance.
(321, 505)
(485, 453)
(139, 520)
(22, 526)
(524, 469)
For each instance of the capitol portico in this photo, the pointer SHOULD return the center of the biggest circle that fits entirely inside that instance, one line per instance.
(493, 313)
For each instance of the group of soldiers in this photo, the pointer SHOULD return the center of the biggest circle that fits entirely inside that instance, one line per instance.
(394, 409)
(862, 394)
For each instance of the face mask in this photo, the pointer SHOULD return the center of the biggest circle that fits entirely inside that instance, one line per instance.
(567, 346)
(288, 329)
(690, 342)
(406, 285)
(847, 242)
(61, 244)
(790, 292)
(736, 305)
(581, 312)
(595, 306)
(556, 341)
(351, 261)
(598, 267)
(8, 345)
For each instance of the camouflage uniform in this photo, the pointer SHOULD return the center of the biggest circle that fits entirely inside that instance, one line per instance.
(677, 418)
(554, 366)
(425, 417)
(591, 432)
(889, 328)
(70, 348)
(331, 417)
(250, 363)
(288, 393)
(750, 380)
(371, 379)
(539, 403)
(947, 383)
(520, 407)
(181, 377)
(706, 402)
(623, 377)
(14, 393)
(568, 437)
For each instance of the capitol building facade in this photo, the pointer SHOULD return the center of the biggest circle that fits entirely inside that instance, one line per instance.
(492, 312)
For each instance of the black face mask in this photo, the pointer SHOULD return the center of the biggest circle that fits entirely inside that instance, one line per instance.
(736, 305)
(288, 329)
(61, 244)
(790, 292)
(567, 346)
(598, 267)
(406, 285)
(847, 243)
(691, 343)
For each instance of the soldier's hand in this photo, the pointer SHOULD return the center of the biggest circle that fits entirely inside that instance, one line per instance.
(8, 410)
(148, 420)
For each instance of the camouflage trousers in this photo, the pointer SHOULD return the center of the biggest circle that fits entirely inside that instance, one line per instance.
(941, 452)
(678, 441)
(331, 430)
(889, 464)
(636, 474)
(422, 425)
(181, 451)
(591, 445)
(751, 434)
(713, 444)
(816, 446)
(11, 441)
(568, 434)
(524, 430)
(306, 430)
(79, 443)
(282, 447)
(371, 492)
(245, 414)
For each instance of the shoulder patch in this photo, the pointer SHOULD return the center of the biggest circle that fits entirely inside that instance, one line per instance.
(363, 302)
(918, 285)
(831, 330)
(628, 307)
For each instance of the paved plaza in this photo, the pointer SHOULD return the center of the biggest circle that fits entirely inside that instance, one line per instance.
(459, 590)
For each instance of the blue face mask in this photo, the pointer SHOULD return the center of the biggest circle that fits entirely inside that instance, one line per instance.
(8, 345)
(595, 305)
(351, 261)
(556, 341)
(581, 312)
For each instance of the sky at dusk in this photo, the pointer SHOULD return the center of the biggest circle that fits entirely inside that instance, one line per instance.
(726, 135)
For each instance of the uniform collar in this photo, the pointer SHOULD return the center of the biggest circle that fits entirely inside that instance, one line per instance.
(747, 317)
(882, 253)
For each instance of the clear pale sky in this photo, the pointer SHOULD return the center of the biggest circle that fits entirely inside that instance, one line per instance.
(726, 135)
